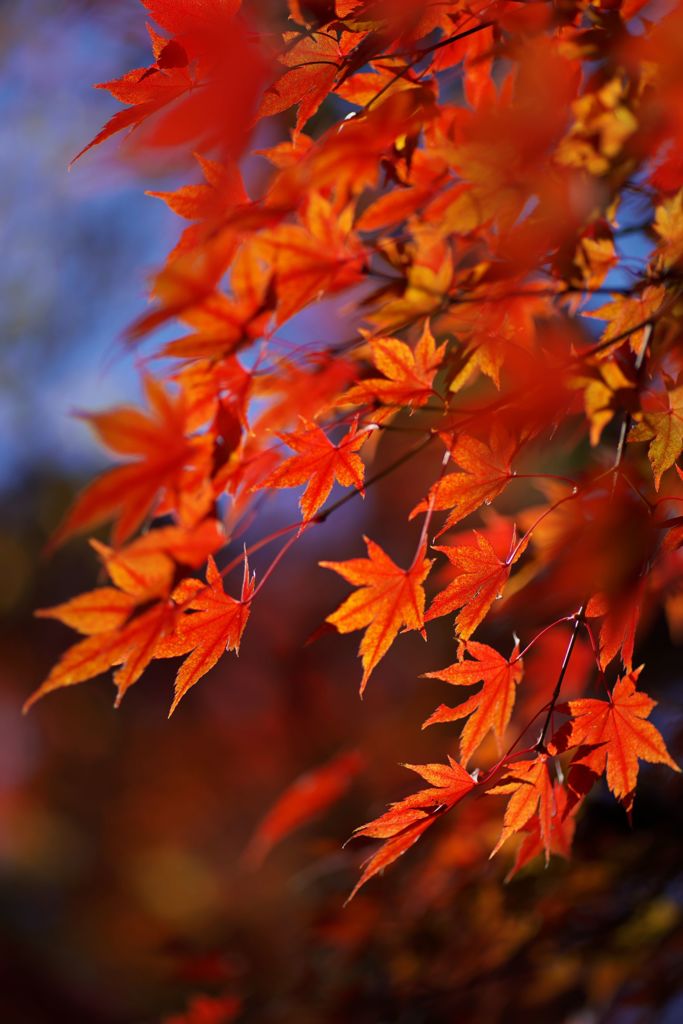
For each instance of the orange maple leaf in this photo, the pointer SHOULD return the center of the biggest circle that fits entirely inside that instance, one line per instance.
(479, 579)
(146, 567)
(207, 203)
(309, 795)
(661, 423)
(221, 189)
(531, 793)
(562, 827)
(389, 598)
(318, 463)
(628, 314)
(403, 824)
(125, 624)
(321, 255)
(167, 463)
(408, 374)
(112, 638)
(486, 473)
(213, 623)
(618, 734)
(491, 707)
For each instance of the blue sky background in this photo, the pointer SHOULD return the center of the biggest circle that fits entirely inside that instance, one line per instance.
(77, 245)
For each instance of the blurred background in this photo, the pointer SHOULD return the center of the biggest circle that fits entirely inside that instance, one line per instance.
(124, 892)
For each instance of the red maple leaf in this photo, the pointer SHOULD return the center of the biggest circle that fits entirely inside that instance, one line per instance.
(318, 463)
(204, 83)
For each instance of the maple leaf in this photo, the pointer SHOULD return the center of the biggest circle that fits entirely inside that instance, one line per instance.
(661, 423)
(389, 598)
(147, 567)
(167, 464)
(603, 395)
(494, 326)
(595, 257)
(627, 318)
(97, 611)
(203, 85)
(348, 157)
(206, 203)
(486, 474)
(562, 828)
(125, 625)
(619, 735)
(392, 207)
(218, 325)
(217, 393)
(309, 795)
(403, 824)
(213, 623)
(313, 62)
(321, 255)
(669, 226)
(531, 793)
(408, 375)
(221, 189)
(489, 709)
(318, 463)
(618, 628)
(114, 639)
(480, 577)
(371, 89)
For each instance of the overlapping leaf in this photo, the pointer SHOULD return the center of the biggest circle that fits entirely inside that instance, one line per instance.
(661, 423)
(127, 624)
(529, 786)
(203, 86)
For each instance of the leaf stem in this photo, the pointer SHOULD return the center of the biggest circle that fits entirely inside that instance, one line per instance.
(578, 620)
(546, 629)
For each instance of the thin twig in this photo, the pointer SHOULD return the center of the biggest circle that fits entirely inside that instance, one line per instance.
(540, 745)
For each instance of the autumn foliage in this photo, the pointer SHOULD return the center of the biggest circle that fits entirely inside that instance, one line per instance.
(494, 193)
